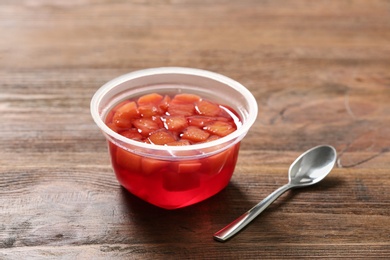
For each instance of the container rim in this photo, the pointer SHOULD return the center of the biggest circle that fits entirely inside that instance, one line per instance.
(238, 134)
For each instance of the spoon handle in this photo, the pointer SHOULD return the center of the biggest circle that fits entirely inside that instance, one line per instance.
(238, 224)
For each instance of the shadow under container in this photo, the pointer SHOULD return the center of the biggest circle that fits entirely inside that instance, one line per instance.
(172, 177)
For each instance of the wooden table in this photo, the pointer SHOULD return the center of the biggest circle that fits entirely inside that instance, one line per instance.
(320, 71)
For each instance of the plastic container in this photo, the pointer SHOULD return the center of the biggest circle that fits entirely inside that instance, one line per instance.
(174, 176)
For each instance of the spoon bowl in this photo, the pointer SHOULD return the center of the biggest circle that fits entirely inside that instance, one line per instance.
(309, 168)
(312, 166)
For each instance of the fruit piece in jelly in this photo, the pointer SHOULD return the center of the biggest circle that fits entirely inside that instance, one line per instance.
(151, 166)
(201, 121)
(132, 134)
(175, 123)
(124, 115)
(164, 104)
(186, 98)
(181, 142)
(145, 126)
(161, 137)
(220, 128)
(186, 166)
(181, 109)
(128, 161)
(207, 108)
(182, 176)
(152, 98)
(148, 111)
(212, 138)
(194, 134)
(110, 114)
(215, 163)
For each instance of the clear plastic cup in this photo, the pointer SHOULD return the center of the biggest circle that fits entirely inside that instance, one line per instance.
(174, 176)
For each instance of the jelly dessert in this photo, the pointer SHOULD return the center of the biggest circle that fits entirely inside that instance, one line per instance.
(177, 120)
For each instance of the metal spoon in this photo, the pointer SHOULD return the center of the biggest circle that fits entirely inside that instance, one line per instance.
(308, 169)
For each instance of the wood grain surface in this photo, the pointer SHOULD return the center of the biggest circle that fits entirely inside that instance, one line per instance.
(320, 71)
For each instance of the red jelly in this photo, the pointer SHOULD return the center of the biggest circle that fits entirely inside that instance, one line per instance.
(179, 120)
(173, 184)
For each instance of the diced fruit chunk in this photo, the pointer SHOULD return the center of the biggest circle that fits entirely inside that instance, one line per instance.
(201, 121)
(207, 108)
(215, 163)
(125, 114)
(158, 121)
(181, 109)
(164, 104)
(127, 160)
(186, 98)
(182, 176)
(145, 126)
(149, 110)
(195, 134)
(187, 166)
(220, 128)
(212, 138)
(175, 123)
(181, 142)
(113, 127)
(161, 137)
(148, 99)
(132, 134)
(151, 166)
